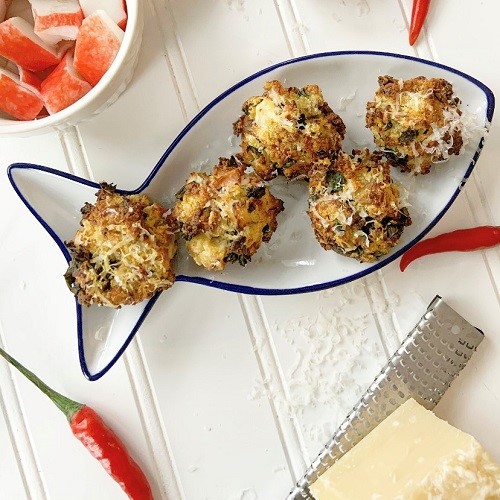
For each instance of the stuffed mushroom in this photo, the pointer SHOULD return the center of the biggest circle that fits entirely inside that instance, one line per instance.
(417, 121)
(285, 130)
(122, 254)
(225, 215)
(354, 206)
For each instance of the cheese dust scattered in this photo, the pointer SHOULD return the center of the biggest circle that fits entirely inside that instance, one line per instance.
(334, 361)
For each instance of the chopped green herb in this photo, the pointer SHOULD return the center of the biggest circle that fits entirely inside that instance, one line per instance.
(180, 193)
(394, 230)
(254, 150)
(396, 159)
(288, 163)
(335, 181)
(408, 135)
(339, 229)
(234, 257)
(256, 192)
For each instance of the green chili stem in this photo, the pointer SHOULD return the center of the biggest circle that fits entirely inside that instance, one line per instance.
(66, 405)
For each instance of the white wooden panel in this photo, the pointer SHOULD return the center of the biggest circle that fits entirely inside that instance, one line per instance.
(352, 25)
(10, 473)
(330, 351)
(42, 150)
(18, 459)
(203, 368)
(225, 41)
(125, 142)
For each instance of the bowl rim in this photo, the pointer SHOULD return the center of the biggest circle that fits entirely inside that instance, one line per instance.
(13, 127)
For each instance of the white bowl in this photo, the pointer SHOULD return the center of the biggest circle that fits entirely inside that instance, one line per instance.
(105, 93)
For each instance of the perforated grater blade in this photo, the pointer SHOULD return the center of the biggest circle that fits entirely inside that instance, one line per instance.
(423, 367)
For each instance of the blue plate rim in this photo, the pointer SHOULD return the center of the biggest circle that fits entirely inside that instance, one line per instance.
(490, 99)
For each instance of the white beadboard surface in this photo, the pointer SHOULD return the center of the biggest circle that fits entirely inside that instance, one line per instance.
(220, 395)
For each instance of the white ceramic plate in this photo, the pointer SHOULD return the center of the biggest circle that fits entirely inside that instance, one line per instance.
(293, 261)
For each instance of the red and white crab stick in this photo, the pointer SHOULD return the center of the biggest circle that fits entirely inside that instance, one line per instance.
(30, 80)
(63, 86)
(97, 44)
(15, 99)
(20, 44)
(115, 9)
(56, 20)
(55, 51)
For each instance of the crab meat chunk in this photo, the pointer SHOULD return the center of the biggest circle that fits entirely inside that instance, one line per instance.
(16, 100)
(96, 47)
(63, 86)
(56, 20)
(20, 44)
(115, 9)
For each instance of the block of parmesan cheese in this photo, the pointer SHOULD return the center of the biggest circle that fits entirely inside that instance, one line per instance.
(412, 455)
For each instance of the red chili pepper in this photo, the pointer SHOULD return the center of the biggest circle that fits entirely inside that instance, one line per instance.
(100, 440)
(461, 240)
(418, 15)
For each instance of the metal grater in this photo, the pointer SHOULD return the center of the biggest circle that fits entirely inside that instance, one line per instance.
(423, 367)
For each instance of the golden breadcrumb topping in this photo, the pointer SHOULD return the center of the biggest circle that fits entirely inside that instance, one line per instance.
(417, 120)
(225, 215)
(285, 130)
(355, 207)
(123, 252)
